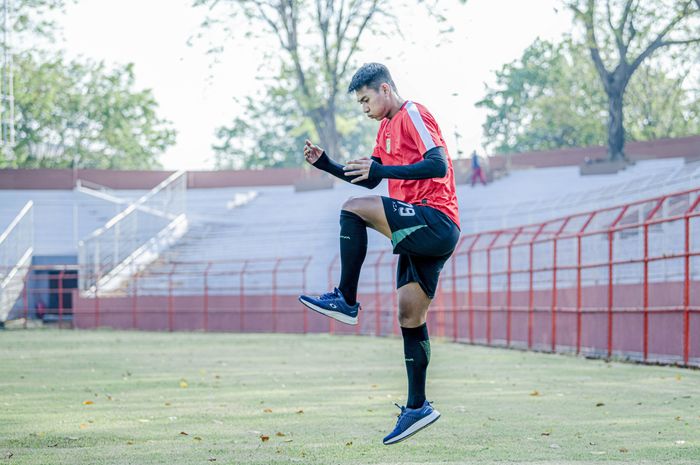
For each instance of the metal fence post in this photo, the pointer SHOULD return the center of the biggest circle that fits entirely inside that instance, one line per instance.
(377, 297)
(303, 287)
(488, 286)
(170, 298)
(454, 294)
(531, 306)
(97, 301)
(60, 299)
(611, 239)
(509, 289)
(134, 301)
(686, 284)
(470, 295)
(25, 296)
(241, 297)
(579, 283)
(205, 307)
(645, 282)
(554, 283)
(274, 294)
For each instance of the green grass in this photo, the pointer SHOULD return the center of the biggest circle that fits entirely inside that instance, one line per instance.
(327, 400)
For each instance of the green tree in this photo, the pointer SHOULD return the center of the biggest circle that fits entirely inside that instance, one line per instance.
(84, 113)
(623, 34)
(551, 98)
(272, 129)
(30, 19)
(318, 40)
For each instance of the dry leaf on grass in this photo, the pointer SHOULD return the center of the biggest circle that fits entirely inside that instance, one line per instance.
(264, 438)
(268, 410)
(88, 402)
(535, 393)
(280, 434)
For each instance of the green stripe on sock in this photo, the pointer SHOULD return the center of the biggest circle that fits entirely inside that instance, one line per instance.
(426, 348)
(402, 234)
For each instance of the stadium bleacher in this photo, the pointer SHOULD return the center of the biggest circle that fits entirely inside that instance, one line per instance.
(242, 223)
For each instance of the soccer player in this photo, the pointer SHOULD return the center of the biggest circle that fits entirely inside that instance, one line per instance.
(420, 218)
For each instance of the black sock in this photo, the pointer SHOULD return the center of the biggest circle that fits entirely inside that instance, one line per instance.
(353, 249)
(416, 348)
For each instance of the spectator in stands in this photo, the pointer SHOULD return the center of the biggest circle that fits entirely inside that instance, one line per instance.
(420, 218)
(477, 172)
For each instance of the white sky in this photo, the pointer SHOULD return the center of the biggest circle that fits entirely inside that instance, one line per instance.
(197, 95)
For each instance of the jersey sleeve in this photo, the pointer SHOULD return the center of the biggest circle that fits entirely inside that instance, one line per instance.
(422, 128)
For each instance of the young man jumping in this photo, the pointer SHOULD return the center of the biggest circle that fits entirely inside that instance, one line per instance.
(420, 218)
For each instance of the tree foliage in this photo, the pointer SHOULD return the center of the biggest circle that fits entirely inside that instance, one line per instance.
(623, 34)
(551, 97)
(318, 41)
(32, 18)
(271, 130)
(73, 112)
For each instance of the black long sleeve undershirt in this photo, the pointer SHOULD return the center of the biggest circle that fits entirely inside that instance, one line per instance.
(331, 166)
(433, 165)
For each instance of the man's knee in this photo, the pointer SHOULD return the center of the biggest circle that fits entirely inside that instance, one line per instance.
(411, 317)
(357, 205)
(413, 306)
(411, 314)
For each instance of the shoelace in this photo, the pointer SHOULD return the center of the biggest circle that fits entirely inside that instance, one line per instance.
(403, 412)
(328, 296)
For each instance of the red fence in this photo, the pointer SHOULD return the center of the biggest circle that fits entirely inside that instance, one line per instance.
(620, 281)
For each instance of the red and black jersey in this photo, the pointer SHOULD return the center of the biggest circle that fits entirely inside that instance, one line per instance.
(403, 140)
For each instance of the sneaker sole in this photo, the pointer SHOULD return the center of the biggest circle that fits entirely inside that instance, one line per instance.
(414, 428)
(348, 320)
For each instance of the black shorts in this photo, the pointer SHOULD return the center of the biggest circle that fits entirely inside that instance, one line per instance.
(424, 238)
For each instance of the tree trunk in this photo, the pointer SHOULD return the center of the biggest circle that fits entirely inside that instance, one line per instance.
(616, 130)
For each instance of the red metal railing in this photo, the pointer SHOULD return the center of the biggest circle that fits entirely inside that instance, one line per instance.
(622, 281)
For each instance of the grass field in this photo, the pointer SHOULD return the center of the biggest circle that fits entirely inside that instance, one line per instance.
(104, 397)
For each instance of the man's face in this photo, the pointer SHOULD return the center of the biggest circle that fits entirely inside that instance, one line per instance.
(375, 103)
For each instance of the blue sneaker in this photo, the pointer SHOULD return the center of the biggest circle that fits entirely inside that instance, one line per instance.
(332, 304)
(412, 420)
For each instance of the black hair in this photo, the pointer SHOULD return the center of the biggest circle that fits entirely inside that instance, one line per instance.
(371, 75)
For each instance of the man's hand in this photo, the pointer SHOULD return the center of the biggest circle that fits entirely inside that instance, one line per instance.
(359, 168)
(312, 152)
